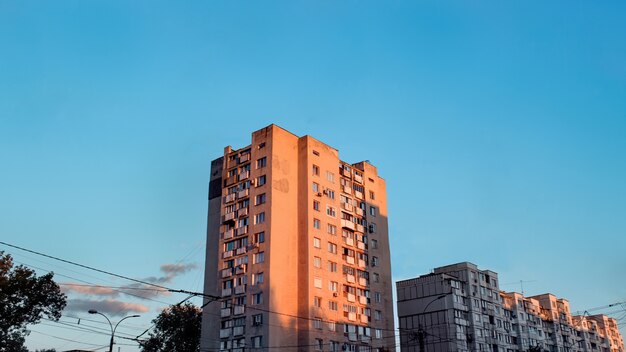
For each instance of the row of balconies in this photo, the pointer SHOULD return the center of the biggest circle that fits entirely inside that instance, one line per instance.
(352, 279)
(231, 197)
(238, 251)
(350, 260)
(241, 289)
(240, 231)
(357, 317)
(228, 272)
(235, 331)
(236, 310)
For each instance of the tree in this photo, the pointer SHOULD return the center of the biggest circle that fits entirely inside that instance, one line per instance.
(24, 299)
(177, 328)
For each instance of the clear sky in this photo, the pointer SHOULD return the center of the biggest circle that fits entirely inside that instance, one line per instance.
(499, 126)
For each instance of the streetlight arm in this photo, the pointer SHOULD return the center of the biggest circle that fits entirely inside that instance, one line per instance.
(118, 323)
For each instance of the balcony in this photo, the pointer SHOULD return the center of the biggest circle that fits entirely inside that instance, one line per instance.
(225, 312)
(242, 230)
(352, 335)
(362, 263)
(347, 206)
(238, 331)
(228, 234)
(359, 212)
(346, 189)
(358, 194)
(240, 289)
(242, 212)
(229, 216)
(226, 292)
(347, 224)
(244, 175)
(358, 178)
(345, 172)
(359, 228)
(239, 309)
(360, 245)
(350, 260)
(363, 300)
(230, 198)
(351, 297)
(227, 273)
(241, 250)
(244, 158)
(240, 269)
(364, 318)
(227, 254)
(365, 339)
(230, 180)
(243, 193)
(349, 241)
(352, 317)
(224, 333)
(363, 281)
(350, 278)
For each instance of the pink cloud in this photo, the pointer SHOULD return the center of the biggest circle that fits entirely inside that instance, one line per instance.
(89, 290)
(107, 306)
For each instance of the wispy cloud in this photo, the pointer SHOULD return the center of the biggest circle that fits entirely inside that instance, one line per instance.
(89, 290)
(176, 269)
(107, 306)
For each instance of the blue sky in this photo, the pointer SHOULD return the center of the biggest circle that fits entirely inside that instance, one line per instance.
(499, 126)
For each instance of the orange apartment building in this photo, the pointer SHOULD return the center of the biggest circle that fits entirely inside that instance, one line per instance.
(297, 250)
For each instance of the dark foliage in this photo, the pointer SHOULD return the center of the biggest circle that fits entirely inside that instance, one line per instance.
(177, 328)
(24, 299)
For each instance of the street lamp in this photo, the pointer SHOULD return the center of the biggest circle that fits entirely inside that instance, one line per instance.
(93, 311)
(420, 331)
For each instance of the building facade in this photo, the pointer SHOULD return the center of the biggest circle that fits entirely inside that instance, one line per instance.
(297, 250)
(461, 308)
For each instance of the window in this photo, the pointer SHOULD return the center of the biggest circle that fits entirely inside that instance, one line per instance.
(374, 244)
(372, 227)
(375, 261)
(316, 205)
(332, 326)
(257, 319)
(261, 180)
(317, 224)
(334, 346)
(319, 343)
(317, 302)
(316, 188)
(378, 315)
(260, 199)
(330, 177)
(257, 298)
(261, 162)
(316, 170)
(317, 323)
(257, 341)
(331, 211)
(258, 258)
(377, 297)
(317, 243)
(376, 277)
(372, 211)
(378, 333)
(259, 237)
(317, 262)
(257, 278)
(330, 193)
(259, 218)
(331, 229)
(333, 286)
(332, 248)
(332, 305)
(317, 282)
(372, 195)
(332, 267)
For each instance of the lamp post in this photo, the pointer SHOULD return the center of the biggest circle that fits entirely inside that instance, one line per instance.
(420, 331)
(93, 311)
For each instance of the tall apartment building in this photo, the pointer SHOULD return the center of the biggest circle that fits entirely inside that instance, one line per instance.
(461, 308)
(297, 250)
